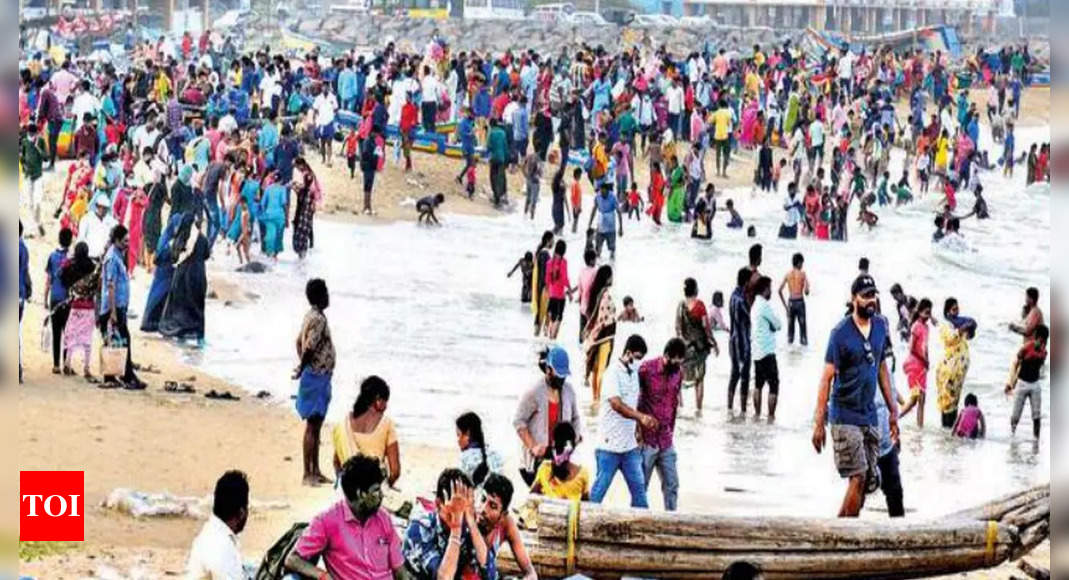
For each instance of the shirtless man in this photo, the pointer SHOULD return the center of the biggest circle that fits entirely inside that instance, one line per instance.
(1032, 317)
(798, 284)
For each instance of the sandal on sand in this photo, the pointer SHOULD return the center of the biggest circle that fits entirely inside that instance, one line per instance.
(224, 396)
(109, 385)
(135, 385)
(68, 372)
(174, 387)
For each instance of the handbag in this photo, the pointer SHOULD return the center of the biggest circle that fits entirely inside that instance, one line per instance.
(113, 354)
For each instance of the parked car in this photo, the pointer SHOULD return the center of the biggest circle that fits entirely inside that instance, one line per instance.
(654, 21)
(618, 16)
(696, 21)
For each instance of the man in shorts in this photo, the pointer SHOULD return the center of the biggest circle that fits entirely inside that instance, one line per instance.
(607, 210)
(846, 397)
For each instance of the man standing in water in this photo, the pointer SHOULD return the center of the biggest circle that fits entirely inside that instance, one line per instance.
(316, 351)
(660, 381)
(739, 312)
(607, 209)
(765, 325)
(1032, 316)
(853, 370)
(798, 284)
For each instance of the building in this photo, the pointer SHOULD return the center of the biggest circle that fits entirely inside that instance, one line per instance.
(847, 16)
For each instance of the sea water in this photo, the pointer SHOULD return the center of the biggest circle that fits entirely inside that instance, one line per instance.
(432, 312)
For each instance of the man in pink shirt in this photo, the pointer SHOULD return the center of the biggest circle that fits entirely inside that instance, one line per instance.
(720, 65)
(63, 83)
(355, 537)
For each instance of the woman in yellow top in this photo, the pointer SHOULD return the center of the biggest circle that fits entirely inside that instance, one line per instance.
(559, 478)
(368, 431)
(942, 152)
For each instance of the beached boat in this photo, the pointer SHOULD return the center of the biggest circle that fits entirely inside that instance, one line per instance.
(601, 542)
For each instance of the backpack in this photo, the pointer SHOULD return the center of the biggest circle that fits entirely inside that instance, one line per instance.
(273, 566)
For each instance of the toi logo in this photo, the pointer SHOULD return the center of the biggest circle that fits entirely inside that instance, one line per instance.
(52, 506)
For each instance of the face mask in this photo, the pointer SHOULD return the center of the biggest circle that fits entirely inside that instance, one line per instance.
(368, 502)
(671, 368)
(557, 383)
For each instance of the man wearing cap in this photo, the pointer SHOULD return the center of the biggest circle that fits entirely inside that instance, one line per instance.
(95, 227)
(550, 402)
(846, 396)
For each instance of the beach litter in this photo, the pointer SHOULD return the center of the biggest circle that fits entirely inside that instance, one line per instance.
(165, 505)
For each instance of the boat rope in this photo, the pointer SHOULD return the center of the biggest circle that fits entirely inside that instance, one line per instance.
(573, 536)
(992, 537)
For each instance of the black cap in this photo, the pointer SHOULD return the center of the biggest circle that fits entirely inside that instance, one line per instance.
(863, 284)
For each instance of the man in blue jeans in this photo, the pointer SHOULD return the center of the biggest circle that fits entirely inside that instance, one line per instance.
(660, 380)
(617, 447)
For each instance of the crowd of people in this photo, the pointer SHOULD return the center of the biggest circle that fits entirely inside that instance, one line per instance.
(185, 146)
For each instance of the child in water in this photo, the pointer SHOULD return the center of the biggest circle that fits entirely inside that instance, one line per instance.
(736, 219)
(716, 314)
(882, 196)
(630, 313)
(634, 203)
(526, 268)
(970, 423)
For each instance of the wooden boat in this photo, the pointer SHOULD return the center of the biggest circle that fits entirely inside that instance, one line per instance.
(601, 542)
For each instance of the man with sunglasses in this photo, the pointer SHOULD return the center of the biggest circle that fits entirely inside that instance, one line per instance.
(853, 371)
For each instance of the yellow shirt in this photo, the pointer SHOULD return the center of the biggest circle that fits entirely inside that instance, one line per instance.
(374, 444)
(722, 124)
(553, 488)
(753, 84)
(163, 87)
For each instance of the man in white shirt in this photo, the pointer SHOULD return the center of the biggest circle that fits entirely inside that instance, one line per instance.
(846, 73)
(764, 324)
(674, 95)
(215, 554)
(325, 107)
(95, 227)
(430, 89)
(145, 136)
(617, 446)
(84, 103)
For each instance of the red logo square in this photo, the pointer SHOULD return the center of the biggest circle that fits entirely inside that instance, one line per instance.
(52, 506)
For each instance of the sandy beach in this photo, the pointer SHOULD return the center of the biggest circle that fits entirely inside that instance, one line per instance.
(153, 441)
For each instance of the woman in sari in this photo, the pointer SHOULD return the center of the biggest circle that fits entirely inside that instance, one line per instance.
(368, 431)
(164, 273)
(79, 277)
(304, 214)
(692, 325)
(955, 332)
(600, 331)
(676, 197)
(540, 305)
(749, 120)
(183, 315)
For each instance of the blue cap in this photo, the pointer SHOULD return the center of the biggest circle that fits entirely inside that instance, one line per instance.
(557, 359)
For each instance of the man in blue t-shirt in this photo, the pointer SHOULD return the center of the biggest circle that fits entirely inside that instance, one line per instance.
(846, 397)
(607, 210)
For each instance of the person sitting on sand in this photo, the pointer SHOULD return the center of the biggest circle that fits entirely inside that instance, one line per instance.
(333, 534)
(446, 542)
(498, 526)
(369, 431)
(477, 461)
(215, 552)
(426, 207)
(558, 477)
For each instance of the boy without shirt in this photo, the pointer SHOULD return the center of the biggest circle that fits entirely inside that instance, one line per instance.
(798, 284)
